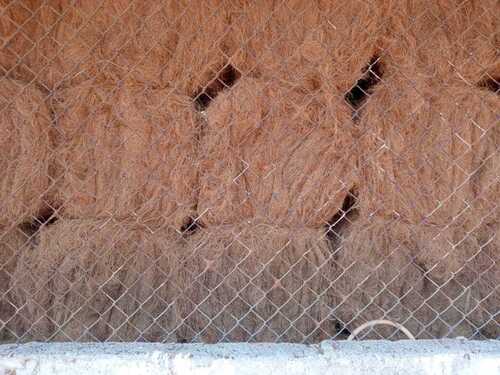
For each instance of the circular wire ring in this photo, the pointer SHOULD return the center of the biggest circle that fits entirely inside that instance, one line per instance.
(372, 323)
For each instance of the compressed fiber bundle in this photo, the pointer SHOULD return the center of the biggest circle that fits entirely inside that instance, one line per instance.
(445, 40)
(309, 43)
(26, 150)
(276, 155)
(430, 154)
(12, 243)
(255, 282)
(155, 42)
(416, 276)
(96, 280)
(126, 150)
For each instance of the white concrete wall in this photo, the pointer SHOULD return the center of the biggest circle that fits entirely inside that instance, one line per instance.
(443, 357)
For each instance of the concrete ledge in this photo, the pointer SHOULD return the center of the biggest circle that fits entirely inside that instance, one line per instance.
(441, 357)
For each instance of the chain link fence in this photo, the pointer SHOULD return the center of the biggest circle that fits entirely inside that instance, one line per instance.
(247, 171)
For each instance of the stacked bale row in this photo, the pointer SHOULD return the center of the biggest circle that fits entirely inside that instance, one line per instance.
(429, 177)
(26, 147)
(275, 166)
(430, 180)
(103, 138)
(126, 177)
(118, 77)
(271, 176)
(131, 165)
(24, 180)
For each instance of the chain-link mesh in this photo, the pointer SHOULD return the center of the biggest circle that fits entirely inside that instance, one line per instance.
(281, 171)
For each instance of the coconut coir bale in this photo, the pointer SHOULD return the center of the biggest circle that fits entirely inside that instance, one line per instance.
(126, 150)
(464, 273)
(426, 278)
(158, 43)
(96, 280)
(375, 276)
(12, 243)
(445, 39)
(305, 43)
(276, 155)
(462, 267)
(26, 150)
(256, 282)
(430, 154)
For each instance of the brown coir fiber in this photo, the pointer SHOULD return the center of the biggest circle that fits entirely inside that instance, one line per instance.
(126, 150)
(18, 28)
(155, 42)
(485, 276)
(26, 150)
(12, 244)
(462, 265)
(96, 280)
(446, 40)
(430, 154)
(256, 282)
(426, 278)
(307, 43)
(276, 155)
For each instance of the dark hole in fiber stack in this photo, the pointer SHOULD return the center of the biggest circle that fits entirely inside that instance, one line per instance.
(226, 78)
(358, 94)
(46, 217)
(343, 332)
(491, 84)
(190, 227)
(343, 218)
